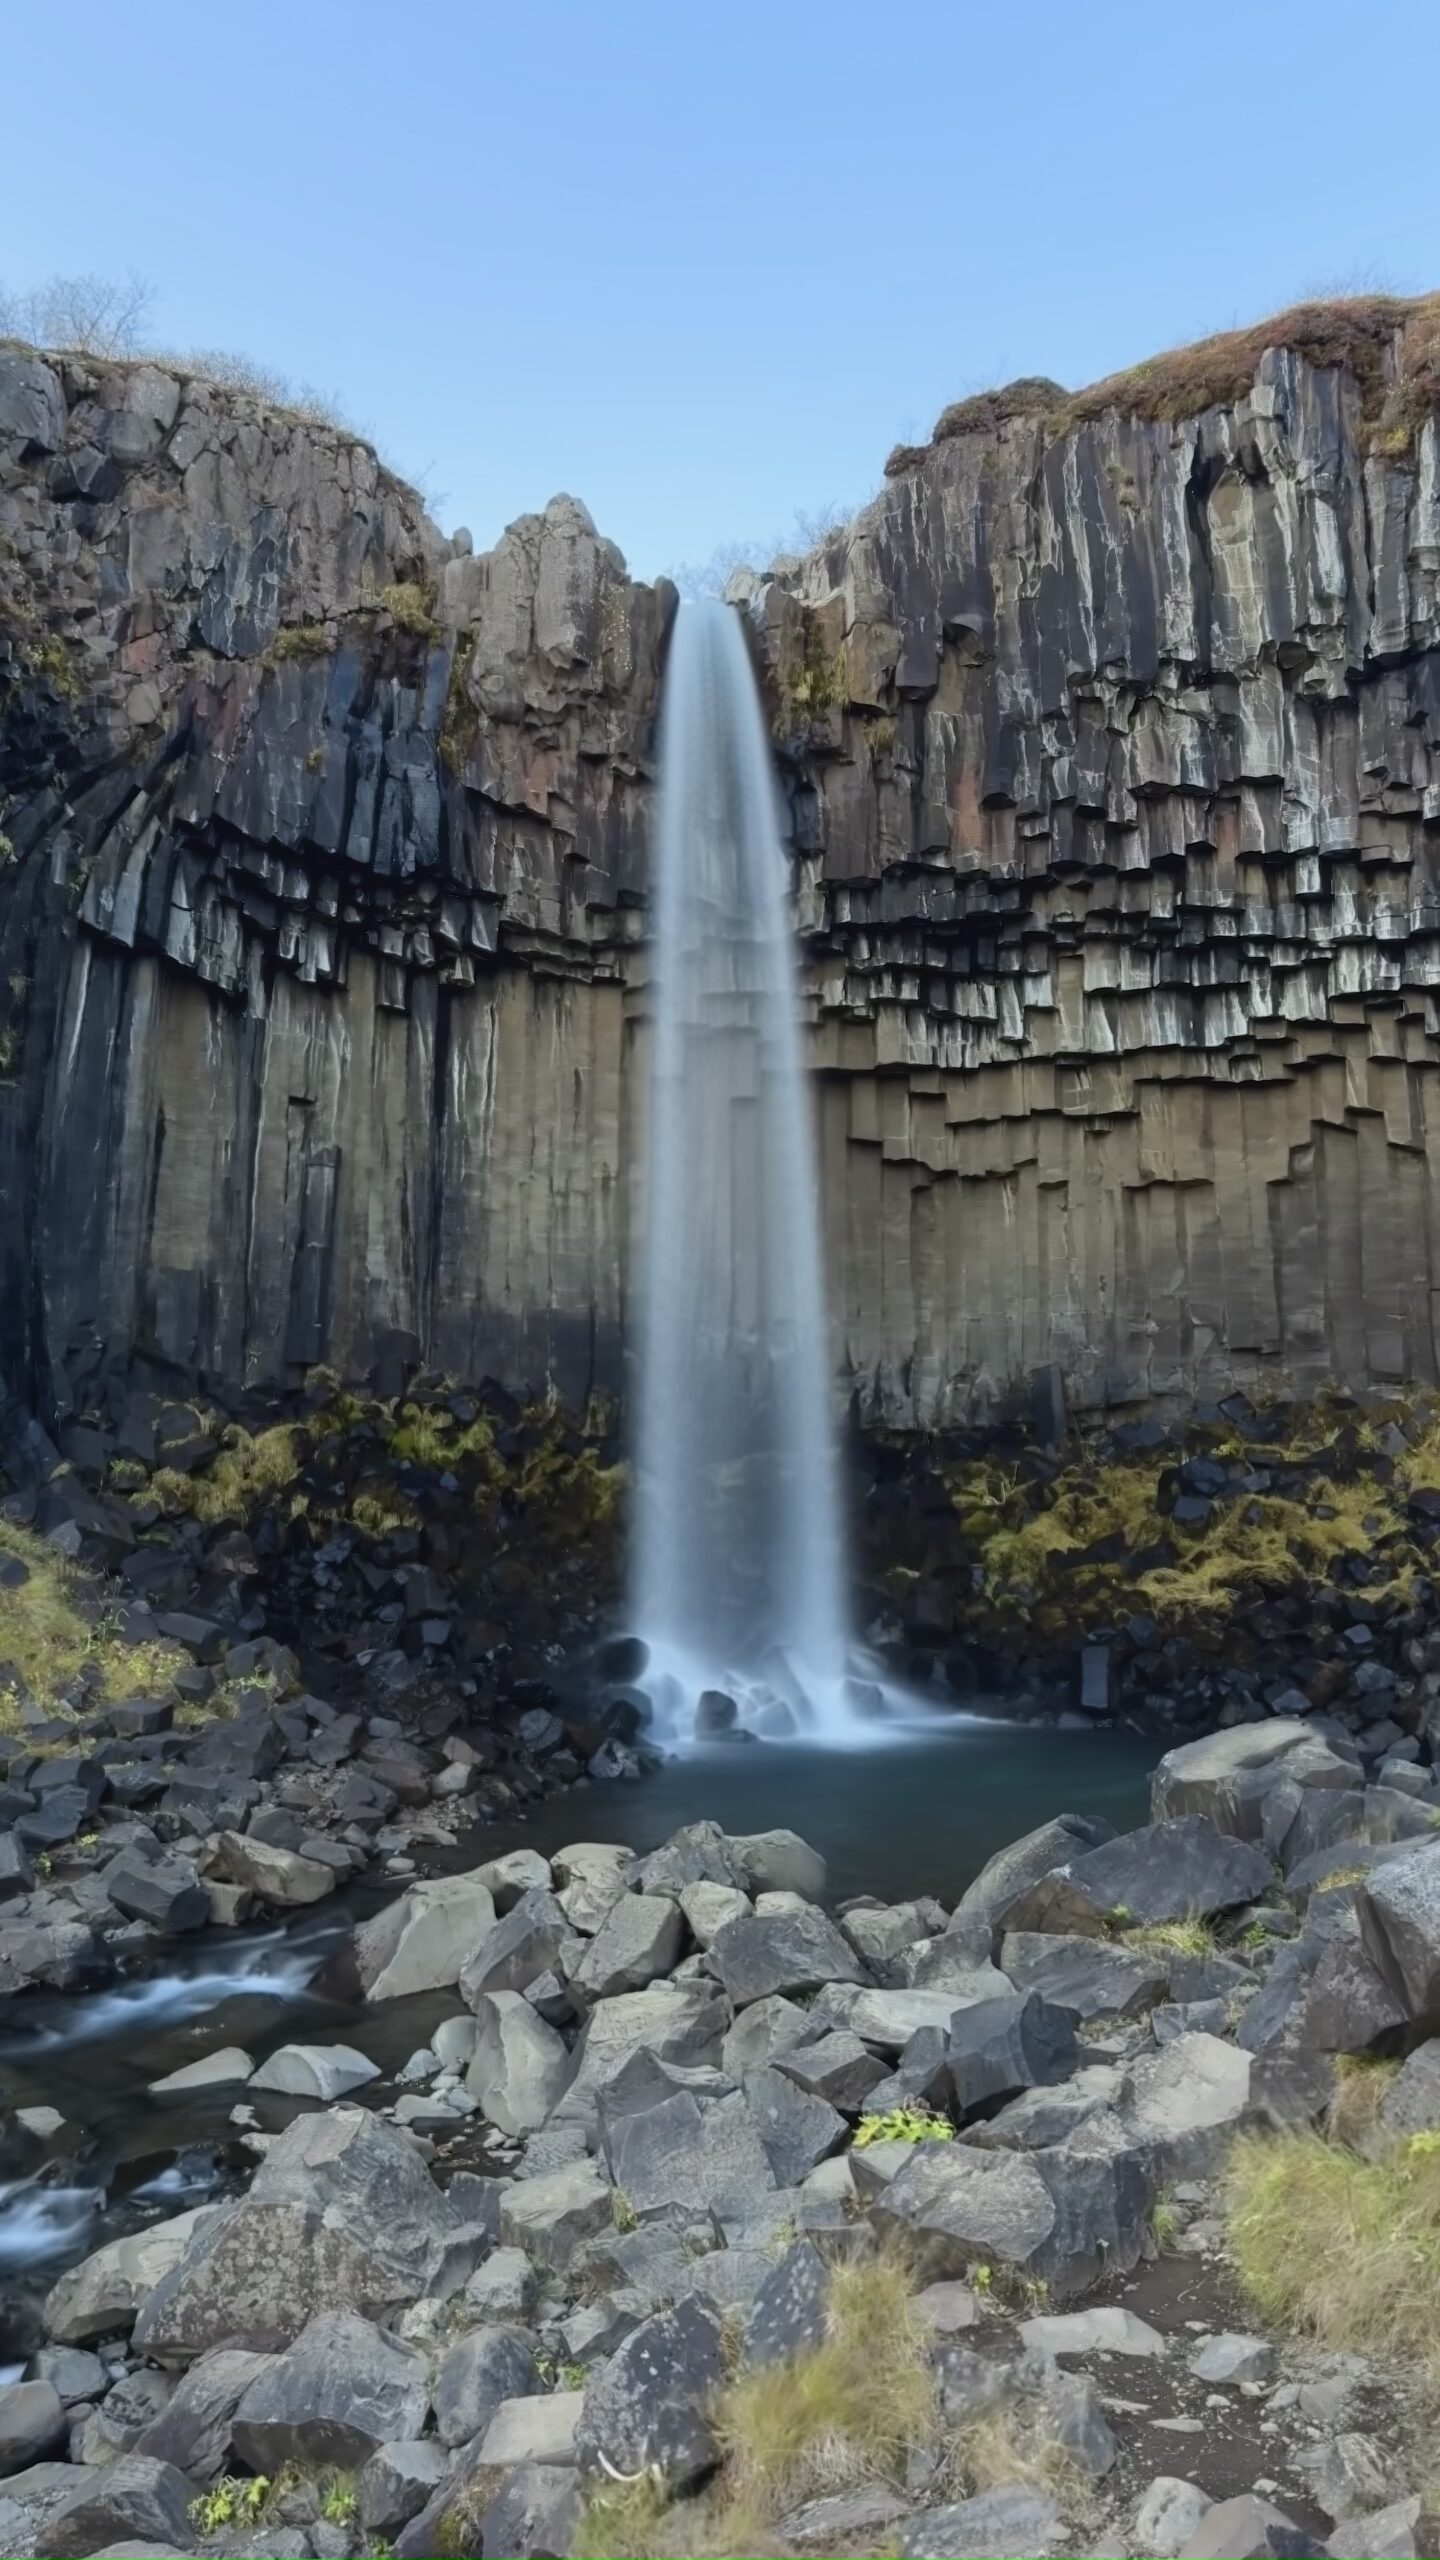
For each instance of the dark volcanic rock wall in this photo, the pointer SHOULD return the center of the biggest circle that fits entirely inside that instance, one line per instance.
(1112, 738)
(316, 833)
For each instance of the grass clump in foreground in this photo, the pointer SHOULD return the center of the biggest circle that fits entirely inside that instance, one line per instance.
(1191, 1937)
(852, 2409)
(1373, 2288)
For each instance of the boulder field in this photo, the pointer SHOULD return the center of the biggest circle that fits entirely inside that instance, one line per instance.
(707, 2110)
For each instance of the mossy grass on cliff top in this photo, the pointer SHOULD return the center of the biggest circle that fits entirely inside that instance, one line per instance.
(1389, 344)
(55, 1631)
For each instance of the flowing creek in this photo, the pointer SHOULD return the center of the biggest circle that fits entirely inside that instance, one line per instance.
(921, 1817)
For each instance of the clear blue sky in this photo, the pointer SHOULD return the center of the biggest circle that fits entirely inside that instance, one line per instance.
(703, 261)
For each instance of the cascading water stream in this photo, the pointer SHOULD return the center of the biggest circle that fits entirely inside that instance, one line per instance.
(739, 1569)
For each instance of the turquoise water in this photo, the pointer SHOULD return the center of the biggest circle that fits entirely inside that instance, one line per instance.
(920, 1817)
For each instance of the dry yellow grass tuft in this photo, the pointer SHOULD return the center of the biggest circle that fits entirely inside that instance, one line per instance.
(1373, 2288)
(1353, 2115)
(853, 2407)
(852, 2410)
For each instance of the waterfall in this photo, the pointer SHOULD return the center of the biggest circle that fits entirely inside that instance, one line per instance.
(739, 1569)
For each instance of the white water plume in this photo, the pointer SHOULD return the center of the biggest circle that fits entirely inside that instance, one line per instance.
(40, 2223)
(739, 1572)
(265, 1969)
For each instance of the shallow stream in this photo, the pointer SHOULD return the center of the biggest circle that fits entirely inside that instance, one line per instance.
(920, 1817)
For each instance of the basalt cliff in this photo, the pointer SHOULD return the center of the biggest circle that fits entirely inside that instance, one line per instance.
(1110, 737)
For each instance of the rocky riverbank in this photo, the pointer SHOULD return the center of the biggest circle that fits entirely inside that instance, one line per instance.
(250, 1650)
(909, 2228)
(246, 1654)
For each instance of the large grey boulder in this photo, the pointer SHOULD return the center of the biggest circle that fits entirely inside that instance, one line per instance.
(475, 2377)
(1065, 2216)
(698, 1854)
(425, 1938)
(1412, 2102)
(1346, 2473)
(649, 2407)
(535, 2513)
(1186, 2103)
(888, 2020)
(326, 2071)
(637, 1942)
(680, 2022)
(1104, 2330)
(779, 1862)
(1398, 1906)
(996, 2048)
(707, 1907)
(282, 1877)
(681, 2154)
(194, 2429)
(1246, 2528)
(1168, 2514)
(133, 2500)
(958, 2207)
(165, 1891)
(552, 2216)
(103, 2294)
(341, 2215)
(878, 1936)
(1001, 2524)
(1177, 1870)
(591, 1875)
(783, 1951)
(837, 2067)
(765, 2029)
(1387, 2533)
(1348, 2004)
(519, 1948)
(788, 2314)
(519, 2066)
(1022, 1863)
(536, 2426)
(396, 2483)
(33, 2423)
(518, 1871)
(1091, 1977)
(225, 2069)
(1225, 1776)
(342, 2390)
(797, 2128)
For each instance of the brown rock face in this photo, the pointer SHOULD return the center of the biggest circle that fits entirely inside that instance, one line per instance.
(1111, 733)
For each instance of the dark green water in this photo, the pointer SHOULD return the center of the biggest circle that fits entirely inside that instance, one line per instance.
(920, 1816)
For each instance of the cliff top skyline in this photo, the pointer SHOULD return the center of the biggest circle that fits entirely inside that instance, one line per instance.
(705, 275)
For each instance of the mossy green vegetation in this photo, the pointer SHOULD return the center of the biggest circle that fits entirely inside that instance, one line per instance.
(299, 640)
(903, 2124)
(249, 1468)
(1188, 1937)
(56, 1630)
(1096, 1539)
(411, 608)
